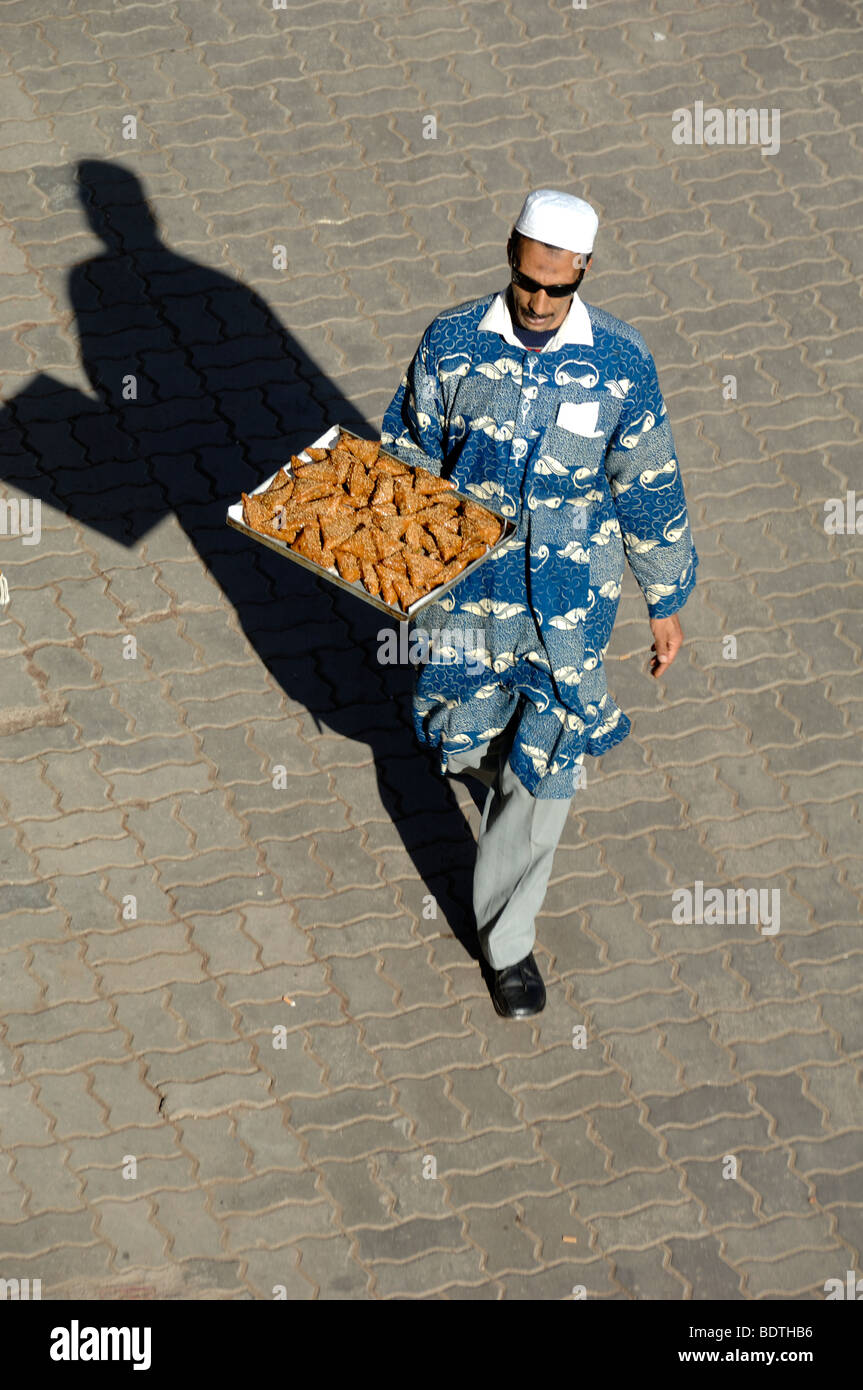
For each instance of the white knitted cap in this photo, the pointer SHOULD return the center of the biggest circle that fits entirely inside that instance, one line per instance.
(558, 219)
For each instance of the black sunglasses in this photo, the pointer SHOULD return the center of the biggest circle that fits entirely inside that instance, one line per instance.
(524, 282)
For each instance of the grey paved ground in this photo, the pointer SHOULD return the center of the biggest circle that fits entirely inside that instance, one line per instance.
(161, 895)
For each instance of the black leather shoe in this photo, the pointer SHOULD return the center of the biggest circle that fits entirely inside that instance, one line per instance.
(518, 990)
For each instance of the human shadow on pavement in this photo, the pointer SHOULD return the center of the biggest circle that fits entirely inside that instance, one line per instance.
(225, 394)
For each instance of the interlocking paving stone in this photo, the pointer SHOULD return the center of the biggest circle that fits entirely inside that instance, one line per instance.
(842, 1015)
(153, 1175)
(780, 1054)
(628, 1142)
(68, 1101)
(497, 1232)
(432, 1102)
(793, 1275)
(12, 1199)
(700, 1264)
(319, 1260)
(782, 1097)
(159, 783)
(43, 1232)
(135, 943)
(224, 946)
(362, 1200)
(188, 1223)
(221, 895)
(777, 1238)
(364, 1137)
(108, 1150)
(726, 1199)
(213, 1095)
(850, 1229)
(835, 1089)
(128, 1227)
(197, 1063)
(260, 1193)
(407, 1181)
(131, 977)
(567, 1281)
(284, 1224)
(270, 1270)
(341, 1107)
(268, 1139)
(647, 1225)
(68, 1267)
(127, 894)
(215, 1150)
(72, 1053)
(254, 1020)
(647, 1066)
(146, 1015)
(361, 981)
(410, 1238)
(647, 1274)
(59, 1021)
(279, 942)
(46, 1178)
(836, 1188)
(428, 1273)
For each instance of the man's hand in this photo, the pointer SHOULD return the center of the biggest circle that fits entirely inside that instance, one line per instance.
(667, 641)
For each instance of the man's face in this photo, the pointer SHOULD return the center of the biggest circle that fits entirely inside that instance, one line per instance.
(534, 309)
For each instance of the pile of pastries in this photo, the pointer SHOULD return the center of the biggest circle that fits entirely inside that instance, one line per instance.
(399, 531)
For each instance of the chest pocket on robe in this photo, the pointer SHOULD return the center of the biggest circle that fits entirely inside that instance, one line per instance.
(569, 464)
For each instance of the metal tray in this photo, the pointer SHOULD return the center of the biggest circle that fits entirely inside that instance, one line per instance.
(235, 518)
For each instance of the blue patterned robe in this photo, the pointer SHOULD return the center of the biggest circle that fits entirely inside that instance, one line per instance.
(573, 444)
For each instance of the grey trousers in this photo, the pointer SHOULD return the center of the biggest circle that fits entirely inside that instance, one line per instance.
(518, 835)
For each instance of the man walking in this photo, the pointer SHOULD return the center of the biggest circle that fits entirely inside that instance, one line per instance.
(549, 411)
